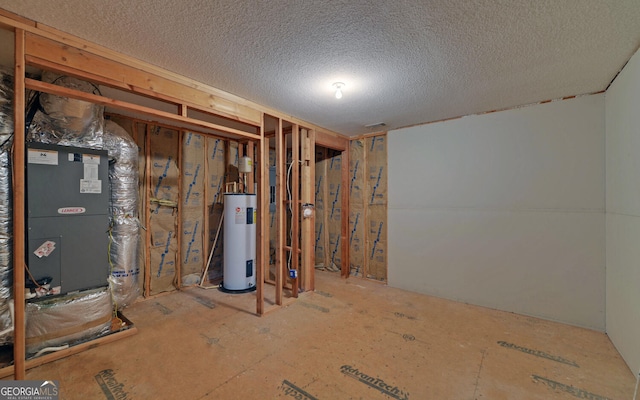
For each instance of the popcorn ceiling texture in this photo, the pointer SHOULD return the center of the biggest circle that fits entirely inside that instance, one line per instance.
(404, 62)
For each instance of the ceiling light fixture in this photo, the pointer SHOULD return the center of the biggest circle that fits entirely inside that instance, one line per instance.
(338, 86)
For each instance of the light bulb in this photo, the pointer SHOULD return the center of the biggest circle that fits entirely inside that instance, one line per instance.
(338, 86)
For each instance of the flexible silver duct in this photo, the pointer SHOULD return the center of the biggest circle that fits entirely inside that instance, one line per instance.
(6, 105)
(70, 122)
(64, 121)
(64, 320)
(6, 217)
(125, 227)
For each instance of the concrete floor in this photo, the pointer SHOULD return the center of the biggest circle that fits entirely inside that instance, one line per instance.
(350, 339)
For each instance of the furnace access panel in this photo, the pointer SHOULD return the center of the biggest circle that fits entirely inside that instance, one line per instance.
(67, 217)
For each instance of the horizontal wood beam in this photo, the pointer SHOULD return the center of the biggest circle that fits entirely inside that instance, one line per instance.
(10, 21)
(67, 70)
(66, 40)
(15, 19)
(107, 102)
(137, 80)
(57, 355)
(334, 142)
(367, 135)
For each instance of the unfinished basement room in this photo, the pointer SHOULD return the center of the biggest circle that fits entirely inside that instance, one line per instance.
(328, 199)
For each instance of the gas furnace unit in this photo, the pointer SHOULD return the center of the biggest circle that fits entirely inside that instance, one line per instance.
(67, 217)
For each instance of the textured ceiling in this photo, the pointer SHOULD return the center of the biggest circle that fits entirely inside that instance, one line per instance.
(404, 62)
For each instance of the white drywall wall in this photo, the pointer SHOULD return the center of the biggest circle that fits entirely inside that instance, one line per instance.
(504, 210)
(622, 105)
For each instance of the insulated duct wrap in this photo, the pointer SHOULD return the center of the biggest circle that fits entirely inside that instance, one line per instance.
(65, 121)
(6, 217)
(125, 227)
(6, 105)
(69, 122)
(6, 244)
(71, 318)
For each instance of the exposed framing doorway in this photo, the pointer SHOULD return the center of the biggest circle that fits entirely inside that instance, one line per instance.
(337, 237)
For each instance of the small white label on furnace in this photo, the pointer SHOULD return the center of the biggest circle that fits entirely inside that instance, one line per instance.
(90, 186)
(45, 249)
(91, 159)
(46, 157)
(90, 172)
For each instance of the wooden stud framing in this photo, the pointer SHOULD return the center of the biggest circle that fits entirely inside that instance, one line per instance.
(262, 256)
(295, 206)
(113, 73)
(334, 142)
(147, 216)
(308, 224)
(47, 48)
(10, 21)
(341, 144)
(35, 362)
(251, 176)
(286, 204)
(312, 179)
(207, 212)
(107, 102)
(281, 209)
(365, 210)
(19, 262)
(344, 217)
(325, 195)
(240, 150)
(365, 217)
(69, 42)
(227, 162)
(178, 227)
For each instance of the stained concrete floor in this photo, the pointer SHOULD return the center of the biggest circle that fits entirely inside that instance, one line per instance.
(350, 339)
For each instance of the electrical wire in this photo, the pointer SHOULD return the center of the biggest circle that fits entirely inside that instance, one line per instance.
(290, 198)
(34, 279)
(50, 349)
(13, 187)
(9, 140)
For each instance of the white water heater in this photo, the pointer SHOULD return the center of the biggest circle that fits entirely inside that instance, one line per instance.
(239, 249)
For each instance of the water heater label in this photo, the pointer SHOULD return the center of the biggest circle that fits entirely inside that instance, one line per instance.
(71, 210)
(46, 157)
(240, 216)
